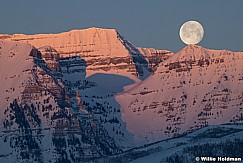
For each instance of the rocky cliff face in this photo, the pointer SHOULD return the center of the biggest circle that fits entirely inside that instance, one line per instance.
(154, 57)
(43, 118)
(51, 57)
(104, 50)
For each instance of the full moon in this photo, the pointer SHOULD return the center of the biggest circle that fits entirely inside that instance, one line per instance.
(191, 32)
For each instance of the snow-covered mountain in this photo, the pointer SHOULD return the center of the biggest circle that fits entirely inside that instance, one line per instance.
(42, 117)
(60, 101)
(195, 87)
(87, 94)
(104, 50)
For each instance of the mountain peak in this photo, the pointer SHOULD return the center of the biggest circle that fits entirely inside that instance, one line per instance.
(93, 29)
(194, 52)
(92, 41)
(192, 47)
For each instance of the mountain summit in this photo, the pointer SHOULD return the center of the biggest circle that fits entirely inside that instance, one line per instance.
(92, 41)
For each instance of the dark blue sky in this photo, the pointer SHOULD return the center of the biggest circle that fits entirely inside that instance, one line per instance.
(145, 23)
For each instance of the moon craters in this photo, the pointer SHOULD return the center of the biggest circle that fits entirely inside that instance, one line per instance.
(191, 32)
